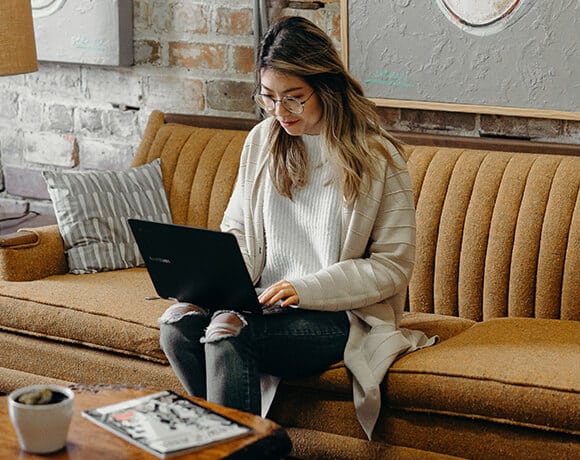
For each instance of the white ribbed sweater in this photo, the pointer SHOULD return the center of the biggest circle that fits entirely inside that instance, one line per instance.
(302, 234)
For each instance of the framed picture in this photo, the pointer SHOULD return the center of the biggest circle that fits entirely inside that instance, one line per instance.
(510, 57)
(84, 31)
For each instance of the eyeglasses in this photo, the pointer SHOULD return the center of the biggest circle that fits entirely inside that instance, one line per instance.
(292, 104)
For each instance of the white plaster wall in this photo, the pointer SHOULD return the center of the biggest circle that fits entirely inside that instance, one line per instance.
(411, 51)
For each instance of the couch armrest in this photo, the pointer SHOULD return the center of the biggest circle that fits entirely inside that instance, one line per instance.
(31, 254)
(19, 238)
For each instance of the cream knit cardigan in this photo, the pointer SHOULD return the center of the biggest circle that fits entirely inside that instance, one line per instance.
(370, 279)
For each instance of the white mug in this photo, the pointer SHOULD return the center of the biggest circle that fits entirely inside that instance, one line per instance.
(42, 428)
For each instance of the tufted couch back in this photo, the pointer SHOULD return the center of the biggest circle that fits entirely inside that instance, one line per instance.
(498, 233)
(198, 187)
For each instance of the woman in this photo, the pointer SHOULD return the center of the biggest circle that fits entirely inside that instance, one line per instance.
(323, 213)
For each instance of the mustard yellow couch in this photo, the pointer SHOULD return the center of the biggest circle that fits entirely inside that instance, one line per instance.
(497, 278)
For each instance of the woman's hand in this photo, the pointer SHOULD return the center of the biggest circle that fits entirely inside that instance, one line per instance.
(282, 292)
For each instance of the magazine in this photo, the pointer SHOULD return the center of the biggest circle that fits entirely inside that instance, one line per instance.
(166, 424)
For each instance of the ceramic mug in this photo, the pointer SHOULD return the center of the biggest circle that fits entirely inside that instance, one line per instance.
(41, 428)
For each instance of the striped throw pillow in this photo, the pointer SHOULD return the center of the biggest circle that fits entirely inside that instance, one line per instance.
(92, 208)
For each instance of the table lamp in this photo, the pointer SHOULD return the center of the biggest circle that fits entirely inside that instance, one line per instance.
(17, 46)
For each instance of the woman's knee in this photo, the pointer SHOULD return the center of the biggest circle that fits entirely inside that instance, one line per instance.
(169, 337)
(179, 324)
(224, 324)
(179, 311)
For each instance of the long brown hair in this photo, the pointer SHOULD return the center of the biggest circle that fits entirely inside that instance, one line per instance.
(351, 127)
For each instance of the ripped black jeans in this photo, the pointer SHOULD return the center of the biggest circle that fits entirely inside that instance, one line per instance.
(223, 362)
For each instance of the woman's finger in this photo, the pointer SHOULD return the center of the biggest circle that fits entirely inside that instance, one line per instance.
(282, 292)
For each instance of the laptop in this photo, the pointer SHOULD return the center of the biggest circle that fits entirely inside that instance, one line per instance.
(196, 265)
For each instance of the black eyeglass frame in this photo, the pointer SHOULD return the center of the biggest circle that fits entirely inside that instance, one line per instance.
(282, 101)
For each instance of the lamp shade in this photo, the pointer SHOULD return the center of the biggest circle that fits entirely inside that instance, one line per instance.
(17, 46)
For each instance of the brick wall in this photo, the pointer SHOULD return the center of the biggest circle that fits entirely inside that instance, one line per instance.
(191, 56)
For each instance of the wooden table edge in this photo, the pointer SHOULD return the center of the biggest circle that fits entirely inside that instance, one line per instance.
(88, 441)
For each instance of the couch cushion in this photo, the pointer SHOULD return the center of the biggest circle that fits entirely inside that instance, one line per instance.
(33, 359)
(92, 208)
(517, 371)
(12, 379)
(324, 402)
(520, 371)
(322, 445)
(107, 310)
(431, 324)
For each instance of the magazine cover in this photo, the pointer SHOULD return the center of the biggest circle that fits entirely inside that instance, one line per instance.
(166, 424)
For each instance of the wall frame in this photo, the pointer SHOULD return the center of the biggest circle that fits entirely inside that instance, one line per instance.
(84, 31)
(367, 24)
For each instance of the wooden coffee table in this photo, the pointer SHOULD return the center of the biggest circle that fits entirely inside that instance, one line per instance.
(87, 441)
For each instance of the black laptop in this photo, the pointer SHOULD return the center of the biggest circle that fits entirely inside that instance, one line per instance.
(196, 265)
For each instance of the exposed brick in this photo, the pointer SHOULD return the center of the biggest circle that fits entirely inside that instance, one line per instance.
(141, 11)
(335, 31)
(10, 206)
(499, 125)
(114, 85)
(189, 18)
(12, 81)
(89, 120)
(520, 127)
(25, 182)
(175, 94)
(196, 55)
(157, 16)
(141, 16)
(244, 59)
(232, 96)
(234, 22)
(51, 149)
(389, 116)
(56, 80)
(11, 146)
(445, 121)
(572, 128)
(9, 104)
(60, 118)
(31, 113)
(551, 129)
(96, 154)
(147, 52)
(44, 207)
(177, 16)
(122, 123)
